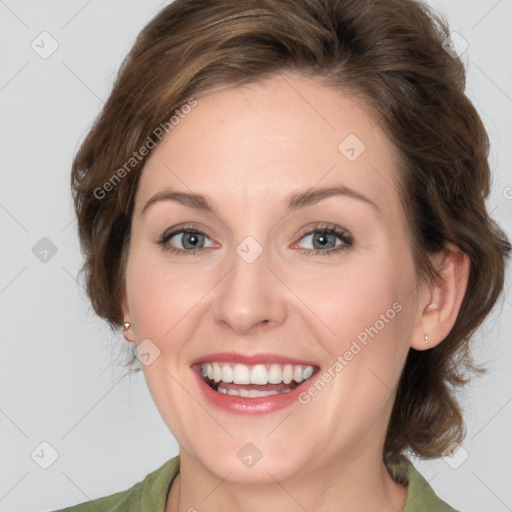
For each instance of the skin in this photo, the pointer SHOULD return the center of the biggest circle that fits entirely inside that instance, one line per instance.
(248, 148)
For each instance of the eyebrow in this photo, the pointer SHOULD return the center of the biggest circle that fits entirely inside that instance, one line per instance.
(294, 201)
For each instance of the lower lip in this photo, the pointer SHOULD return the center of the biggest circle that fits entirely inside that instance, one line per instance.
(249, 406)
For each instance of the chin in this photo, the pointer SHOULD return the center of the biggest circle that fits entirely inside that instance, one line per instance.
(254, 463)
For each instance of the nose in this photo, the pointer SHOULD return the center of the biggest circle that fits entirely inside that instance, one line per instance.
(250, 297)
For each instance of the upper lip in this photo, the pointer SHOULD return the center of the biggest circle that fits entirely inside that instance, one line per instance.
(251, 359)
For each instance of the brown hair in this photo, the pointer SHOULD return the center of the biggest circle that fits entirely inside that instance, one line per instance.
(388, 51)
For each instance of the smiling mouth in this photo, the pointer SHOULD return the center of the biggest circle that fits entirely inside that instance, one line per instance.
(253, 381)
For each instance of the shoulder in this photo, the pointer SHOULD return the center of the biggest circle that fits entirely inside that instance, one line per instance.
(420, 495)
(150, 494)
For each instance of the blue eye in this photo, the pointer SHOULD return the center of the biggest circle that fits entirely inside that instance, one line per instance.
(326, 240)
(321, 240)
(189, 240)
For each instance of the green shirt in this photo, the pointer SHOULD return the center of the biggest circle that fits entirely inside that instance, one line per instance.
(150, 495)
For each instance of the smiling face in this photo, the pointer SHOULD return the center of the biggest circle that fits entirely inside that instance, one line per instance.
(302, 262)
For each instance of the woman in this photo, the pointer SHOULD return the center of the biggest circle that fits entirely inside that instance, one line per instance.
(242, 144)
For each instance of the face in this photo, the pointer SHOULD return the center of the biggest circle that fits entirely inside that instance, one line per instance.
(269, 246)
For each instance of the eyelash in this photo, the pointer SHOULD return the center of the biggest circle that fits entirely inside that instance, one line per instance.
(329, 229)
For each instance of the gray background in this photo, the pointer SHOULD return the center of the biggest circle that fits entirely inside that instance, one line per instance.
(61, 374)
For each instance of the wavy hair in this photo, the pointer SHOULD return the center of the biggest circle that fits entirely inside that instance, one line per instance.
(390, 52)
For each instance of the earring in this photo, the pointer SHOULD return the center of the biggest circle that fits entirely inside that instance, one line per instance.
(426, 339)
(126, 326)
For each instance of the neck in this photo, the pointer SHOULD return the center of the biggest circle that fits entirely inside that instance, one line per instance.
(360, 484)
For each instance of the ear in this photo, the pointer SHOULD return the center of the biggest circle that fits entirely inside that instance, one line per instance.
(127, 332)
(439, 301)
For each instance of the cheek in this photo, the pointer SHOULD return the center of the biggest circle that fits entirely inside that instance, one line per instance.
(160, 294)
(349, 298)
(365, 312)
(162, 300)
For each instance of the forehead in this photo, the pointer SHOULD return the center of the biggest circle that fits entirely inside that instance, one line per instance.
(265, 139)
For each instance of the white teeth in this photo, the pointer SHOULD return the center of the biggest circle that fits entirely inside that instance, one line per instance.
(259, 374)
(308, 371)
(275, 375)
(217, 372)
(241, 374)
(288, 374)
(227, 374)
(253, 393)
